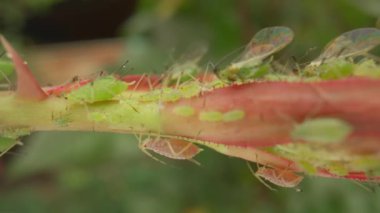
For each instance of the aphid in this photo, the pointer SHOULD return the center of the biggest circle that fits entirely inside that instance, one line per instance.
(349, 44)
(102, 89)
(322, 130)
(280, 177)
(266, 42)
(185, 69)
(171, 148)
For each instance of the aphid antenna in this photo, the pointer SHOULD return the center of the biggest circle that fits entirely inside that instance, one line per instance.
(122, 67)
(228, 55)
(214, 69)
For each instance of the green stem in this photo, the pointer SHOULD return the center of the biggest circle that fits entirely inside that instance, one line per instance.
(61, 115)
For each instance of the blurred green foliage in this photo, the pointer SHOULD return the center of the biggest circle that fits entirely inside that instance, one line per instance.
(95, 172)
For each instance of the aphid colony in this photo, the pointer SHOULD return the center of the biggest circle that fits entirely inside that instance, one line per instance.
(288, 122)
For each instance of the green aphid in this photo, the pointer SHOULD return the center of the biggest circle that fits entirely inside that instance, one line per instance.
(322, 130)
(211, 116)
(170, 95)
(102, 89)
(6, 144)
(367, 68)
(164, 94)
(336, 70)
(190, 89)
(264, 43)
(185, 111)
(246, 73)
(151, 96)
(181, 74)
(233, 115)
(6, 68)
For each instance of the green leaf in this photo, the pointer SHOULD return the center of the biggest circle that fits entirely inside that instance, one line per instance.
(6, 144)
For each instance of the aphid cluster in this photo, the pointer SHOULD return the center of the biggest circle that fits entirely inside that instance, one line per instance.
(188, 106)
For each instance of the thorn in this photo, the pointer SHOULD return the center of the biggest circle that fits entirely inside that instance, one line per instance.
(27, 86)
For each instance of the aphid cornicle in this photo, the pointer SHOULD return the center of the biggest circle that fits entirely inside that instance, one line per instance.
(264, 43)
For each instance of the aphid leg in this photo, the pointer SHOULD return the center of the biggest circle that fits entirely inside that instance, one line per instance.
(150, 83)
(139, 81)
(178, 81)
(213, 67)
(297, 66)
(122, 66)
(192, 77)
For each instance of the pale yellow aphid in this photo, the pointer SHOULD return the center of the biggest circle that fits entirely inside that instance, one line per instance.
(185, 111)
(233, 115)
(211, 116)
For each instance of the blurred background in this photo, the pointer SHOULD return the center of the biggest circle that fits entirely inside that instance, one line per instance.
(99, 172)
